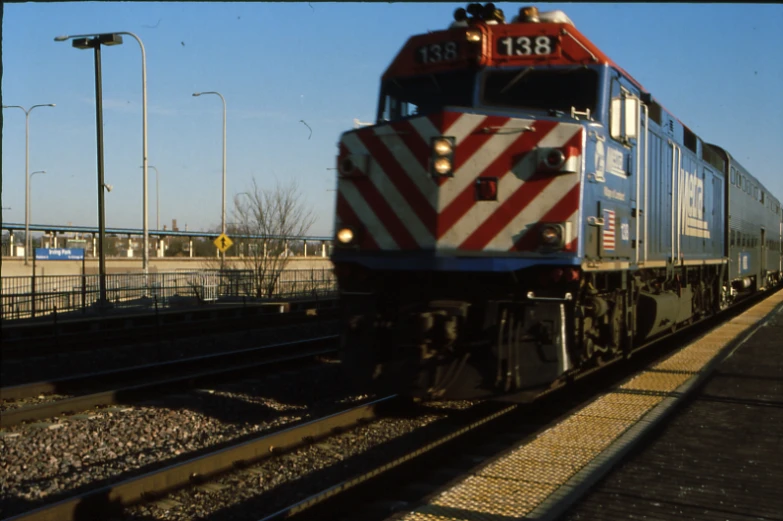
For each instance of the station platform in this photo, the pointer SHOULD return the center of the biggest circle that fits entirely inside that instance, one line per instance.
(720, 455)
(697, 436)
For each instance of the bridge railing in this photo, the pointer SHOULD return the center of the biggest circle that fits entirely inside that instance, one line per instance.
(29, 297)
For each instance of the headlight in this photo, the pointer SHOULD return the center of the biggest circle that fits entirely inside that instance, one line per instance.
(551, 235)
(473, 35)
(345, 235)
(442, 165)
(442, 147)
(442, 152)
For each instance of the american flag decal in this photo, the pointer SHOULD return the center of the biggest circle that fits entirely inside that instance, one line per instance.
(609, 230)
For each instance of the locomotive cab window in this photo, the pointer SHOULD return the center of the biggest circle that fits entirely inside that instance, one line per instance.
(553, 89)
(405, 97)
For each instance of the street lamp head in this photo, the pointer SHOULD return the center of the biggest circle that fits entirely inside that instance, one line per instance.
(197, 94)
(92, 41)
(110, 39)
(51, 105)
(61, 38)
(83, 43)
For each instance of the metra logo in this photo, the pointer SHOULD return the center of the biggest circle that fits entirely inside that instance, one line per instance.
(692, 205)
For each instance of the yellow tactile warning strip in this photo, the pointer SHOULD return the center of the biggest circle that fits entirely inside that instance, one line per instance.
(533, 479)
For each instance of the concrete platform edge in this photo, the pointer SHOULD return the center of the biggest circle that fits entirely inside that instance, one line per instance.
(574, 489)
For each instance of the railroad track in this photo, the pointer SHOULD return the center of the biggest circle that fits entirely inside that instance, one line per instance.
(376, 494)
(51, 336)
(449, 448)
(108, 357)
(150, 379)
(110, 500)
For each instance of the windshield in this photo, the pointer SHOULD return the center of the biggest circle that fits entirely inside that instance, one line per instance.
(544, 89)
(403, 97)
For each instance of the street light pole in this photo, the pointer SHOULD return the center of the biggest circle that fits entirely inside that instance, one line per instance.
(145, 255)
(157, 204)
(27, 203)
(27, 112)
(95, 42)
(223, 218)
(96, 45)
(157, 199)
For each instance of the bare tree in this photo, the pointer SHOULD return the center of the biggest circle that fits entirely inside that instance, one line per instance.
(273, 213)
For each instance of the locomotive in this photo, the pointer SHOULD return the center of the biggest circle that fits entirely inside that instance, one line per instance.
(523, 209)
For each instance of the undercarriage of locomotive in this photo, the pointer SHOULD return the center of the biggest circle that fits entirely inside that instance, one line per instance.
(441, 335)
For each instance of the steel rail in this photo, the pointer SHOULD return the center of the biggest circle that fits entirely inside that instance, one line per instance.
(103, 502)
(75, 334)
(124, 394)
(348, 484)
(63, 385)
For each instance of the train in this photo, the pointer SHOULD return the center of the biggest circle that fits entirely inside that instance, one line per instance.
(523, 209)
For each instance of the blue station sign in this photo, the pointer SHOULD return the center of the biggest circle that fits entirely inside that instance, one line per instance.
(59, 254)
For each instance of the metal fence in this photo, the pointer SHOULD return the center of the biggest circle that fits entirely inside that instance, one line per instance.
(25, 297)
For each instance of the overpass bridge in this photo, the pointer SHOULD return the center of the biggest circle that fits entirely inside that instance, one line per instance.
(15, 267)
(319, 245)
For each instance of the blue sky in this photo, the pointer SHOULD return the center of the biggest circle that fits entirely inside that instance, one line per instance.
(717, 67)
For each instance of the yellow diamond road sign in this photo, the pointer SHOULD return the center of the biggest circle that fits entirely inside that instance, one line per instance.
(223, 242)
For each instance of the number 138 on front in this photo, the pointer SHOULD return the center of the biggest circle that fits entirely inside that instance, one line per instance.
(525, 45)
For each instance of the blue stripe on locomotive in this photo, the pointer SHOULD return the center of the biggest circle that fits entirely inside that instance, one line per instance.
(612, 170)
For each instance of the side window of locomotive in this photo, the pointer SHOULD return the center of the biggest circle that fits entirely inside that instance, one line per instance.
(395, 109)
(732, 238)
(733, 176)
(616, 112)
(623, 114)
(390, 107)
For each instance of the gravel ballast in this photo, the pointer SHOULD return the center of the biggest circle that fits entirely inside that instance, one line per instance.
(278, 482)
(42, 461)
